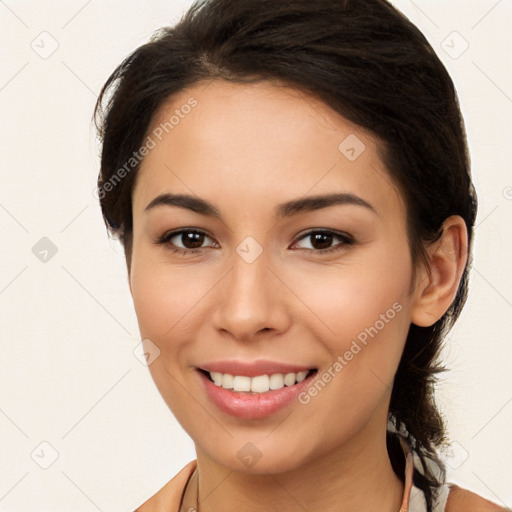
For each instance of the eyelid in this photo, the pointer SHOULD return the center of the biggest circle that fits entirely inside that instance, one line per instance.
(328, 231)
(346, 239)
(165, 239)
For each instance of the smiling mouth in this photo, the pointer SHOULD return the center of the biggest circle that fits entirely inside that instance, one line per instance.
(259, 383)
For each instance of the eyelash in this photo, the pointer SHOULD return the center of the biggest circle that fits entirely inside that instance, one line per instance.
(345, 239)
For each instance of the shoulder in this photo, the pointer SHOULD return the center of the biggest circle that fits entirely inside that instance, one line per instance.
(462, 500)
(170, 495)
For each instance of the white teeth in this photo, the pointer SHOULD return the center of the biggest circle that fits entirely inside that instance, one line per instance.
(289, 379)
(258, 384)
(241, 383)
(227, 381)
(301, 376)
(276, 381)
(217, 378)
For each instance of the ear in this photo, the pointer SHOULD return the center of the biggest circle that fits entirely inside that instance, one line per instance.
(437, 285)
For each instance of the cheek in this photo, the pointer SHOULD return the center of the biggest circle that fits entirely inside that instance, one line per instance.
(360, 294)
(164, 302)
(155, 305)
(362, 316)
(163, 295)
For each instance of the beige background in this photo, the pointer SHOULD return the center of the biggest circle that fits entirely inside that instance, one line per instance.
(69, 378)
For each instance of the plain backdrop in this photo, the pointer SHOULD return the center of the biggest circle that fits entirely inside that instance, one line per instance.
(83, 427)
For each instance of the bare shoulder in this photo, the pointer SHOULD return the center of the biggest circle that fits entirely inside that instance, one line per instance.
(170, 495)
(462, 500)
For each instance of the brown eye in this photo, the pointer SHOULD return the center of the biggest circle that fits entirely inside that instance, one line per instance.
(324, 241)
(191, 240)
(321, 240)
(187, 240)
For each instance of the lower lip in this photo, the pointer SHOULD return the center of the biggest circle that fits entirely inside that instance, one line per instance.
(253, 405)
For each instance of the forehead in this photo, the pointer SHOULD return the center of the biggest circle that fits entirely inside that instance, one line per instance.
(263, 139)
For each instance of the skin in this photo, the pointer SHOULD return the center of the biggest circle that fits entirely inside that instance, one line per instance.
(246, 149)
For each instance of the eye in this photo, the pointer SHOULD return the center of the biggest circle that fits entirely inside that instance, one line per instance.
(322, 241)
(186, 240)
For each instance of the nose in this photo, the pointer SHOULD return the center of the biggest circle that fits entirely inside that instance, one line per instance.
(251, 301)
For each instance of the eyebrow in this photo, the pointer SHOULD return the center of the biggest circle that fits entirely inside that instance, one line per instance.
(287, 209)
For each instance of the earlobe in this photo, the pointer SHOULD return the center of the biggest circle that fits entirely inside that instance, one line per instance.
(438, 285)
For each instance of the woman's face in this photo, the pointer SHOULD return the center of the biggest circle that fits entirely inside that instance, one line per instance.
(294, 257)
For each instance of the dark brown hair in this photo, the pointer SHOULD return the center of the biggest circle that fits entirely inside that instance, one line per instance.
(369, 63)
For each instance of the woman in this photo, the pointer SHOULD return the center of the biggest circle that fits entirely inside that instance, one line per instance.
(290, 182)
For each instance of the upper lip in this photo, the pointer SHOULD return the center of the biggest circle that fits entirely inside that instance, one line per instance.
(253, 368)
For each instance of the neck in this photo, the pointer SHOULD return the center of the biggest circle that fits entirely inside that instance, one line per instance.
(349, 479)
